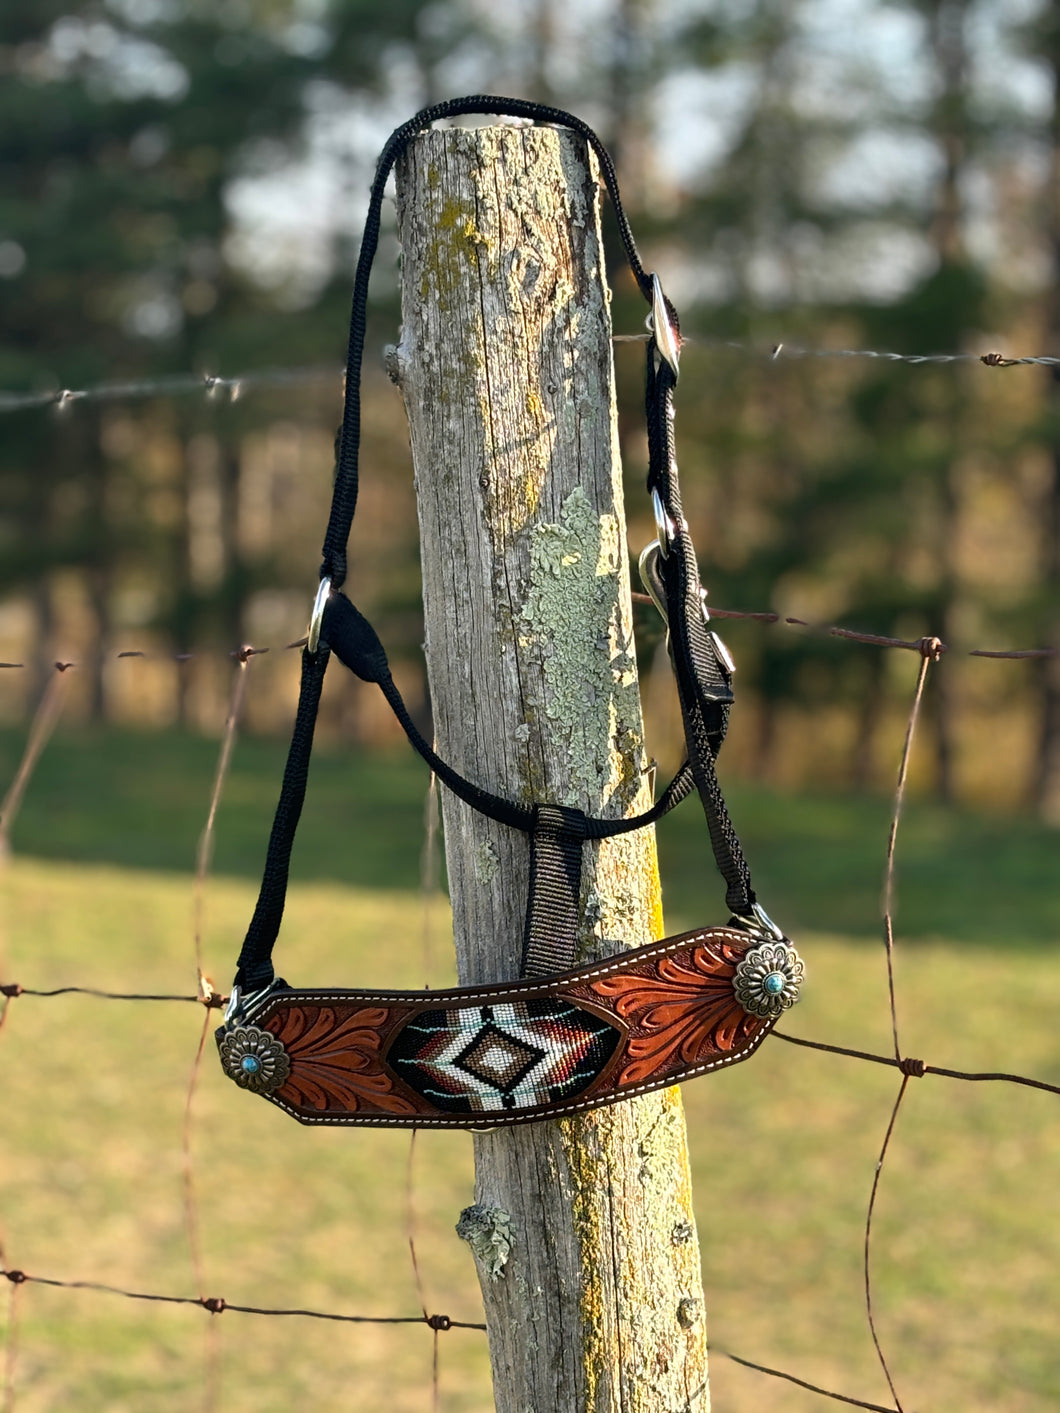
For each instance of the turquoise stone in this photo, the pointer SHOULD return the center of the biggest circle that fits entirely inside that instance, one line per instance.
(251, 1064)
(775, 983)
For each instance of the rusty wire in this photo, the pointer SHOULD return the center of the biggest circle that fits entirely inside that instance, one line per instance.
(763, 616)
(217, 1305)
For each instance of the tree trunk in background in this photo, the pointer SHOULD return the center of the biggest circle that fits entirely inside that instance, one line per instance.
(1046, 784)
(234, 606)
(583, 1232)
(98, 559)
(947, 20)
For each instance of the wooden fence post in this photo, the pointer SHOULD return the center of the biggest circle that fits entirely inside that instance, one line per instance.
(582, 1230)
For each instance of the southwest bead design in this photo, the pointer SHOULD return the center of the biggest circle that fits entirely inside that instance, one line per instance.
(514, 1055)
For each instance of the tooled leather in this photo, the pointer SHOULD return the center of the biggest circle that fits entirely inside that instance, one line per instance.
(672, 1002)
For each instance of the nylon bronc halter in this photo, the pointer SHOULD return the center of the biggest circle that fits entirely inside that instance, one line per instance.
(562, 1038)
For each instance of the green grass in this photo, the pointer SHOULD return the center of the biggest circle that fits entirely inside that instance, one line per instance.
(966, 1243)
(139, 800)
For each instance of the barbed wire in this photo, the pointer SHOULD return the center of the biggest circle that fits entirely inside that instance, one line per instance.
(42, 725)
(217, 1305)
(212, 385)
(767, 618)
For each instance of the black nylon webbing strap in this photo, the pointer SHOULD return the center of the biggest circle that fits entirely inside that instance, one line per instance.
(550, 941)
(255, 969)
(703, 681)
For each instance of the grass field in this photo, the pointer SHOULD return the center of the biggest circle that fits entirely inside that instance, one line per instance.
(99, 893)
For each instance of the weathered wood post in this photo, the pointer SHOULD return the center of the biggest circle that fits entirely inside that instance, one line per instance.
(582, 1232)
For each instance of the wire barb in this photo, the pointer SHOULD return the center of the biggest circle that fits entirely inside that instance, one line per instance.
(212, 384)
(215, 1304)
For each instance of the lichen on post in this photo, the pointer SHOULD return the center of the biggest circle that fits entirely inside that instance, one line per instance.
(505, 364)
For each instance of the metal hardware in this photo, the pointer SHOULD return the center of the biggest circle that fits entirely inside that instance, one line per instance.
(242, 1004)
(317, 616)
(767, 979)
(648, 564)
(758, 920)
(234, 1009)
(253, 1058)
(666, 337)
(722, 651)
(665, 526)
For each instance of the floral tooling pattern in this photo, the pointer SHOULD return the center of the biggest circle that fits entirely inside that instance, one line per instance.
(681, 1013)
(335, 1061)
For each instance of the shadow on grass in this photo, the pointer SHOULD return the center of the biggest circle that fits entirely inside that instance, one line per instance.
(140, 800)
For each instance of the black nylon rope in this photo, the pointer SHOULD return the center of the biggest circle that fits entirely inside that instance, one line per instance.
(703, 680)
(344, 501)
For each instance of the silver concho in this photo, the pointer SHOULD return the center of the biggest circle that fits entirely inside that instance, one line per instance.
(254, 1059)
(768, 978)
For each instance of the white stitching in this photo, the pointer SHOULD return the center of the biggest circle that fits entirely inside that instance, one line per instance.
(621, 962)
(530, 1116)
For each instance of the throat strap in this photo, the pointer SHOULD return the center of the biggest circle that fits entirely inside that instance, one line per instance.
(550, 942)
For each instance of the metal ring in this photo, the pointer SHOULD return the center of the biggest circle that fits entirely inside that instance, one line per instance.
(663, 523)
(317, 616)
(665, 333)
(649, 577)
(758, 920)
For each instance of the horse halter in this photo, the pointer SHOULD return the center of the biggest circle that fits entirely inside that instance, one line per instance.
(562, 1038)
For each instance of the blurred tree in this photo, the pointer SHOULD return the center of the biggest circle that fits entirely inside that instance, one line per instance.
(125, 127)
(1045, 788)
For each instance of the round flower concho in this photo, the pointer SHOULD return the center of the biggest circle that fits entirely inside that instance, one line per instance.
(768, 978)
(254, 1059)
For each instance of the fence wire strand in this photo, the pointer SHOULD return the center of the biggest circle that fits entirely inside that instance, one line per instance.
(45, 720)
(763, 616)
(813, 1388)
(930, 650)
(10, 1342)
(233, 386)
(217, 1305)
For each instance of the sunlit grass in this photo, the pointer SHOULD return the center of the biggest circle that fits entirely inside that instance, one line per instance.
(139, 799)
(966, 1245)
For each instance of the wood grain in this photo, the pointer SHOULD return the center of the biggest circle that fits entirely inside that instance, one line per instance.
(595, 1301)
